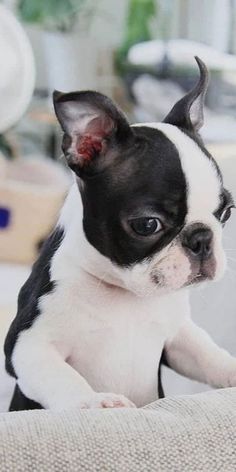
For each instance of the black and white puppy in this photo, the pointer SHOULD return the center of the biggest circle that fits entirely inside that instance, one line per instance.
(110, 290)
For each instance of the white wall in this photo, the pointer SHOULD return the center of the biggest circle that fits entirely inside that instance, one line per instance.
(207, 21)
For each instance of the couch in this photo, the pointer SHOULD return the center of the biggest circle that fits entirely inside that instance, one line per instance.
(176, 434)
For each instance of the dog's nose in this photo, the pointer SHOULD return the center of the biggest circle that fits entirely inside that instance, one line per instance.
(199, 241)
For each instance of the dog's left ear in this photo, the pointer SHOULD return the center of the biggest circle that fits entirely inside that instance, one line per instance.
(187, 113)
(92, 126)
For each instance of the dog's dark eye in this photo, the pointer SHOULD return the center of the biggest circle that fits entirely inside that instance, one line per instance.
(225, 215)
(146, 226)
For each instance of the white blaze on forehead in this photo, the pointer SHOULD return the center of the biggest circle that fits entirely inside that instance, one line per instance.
(203, 183)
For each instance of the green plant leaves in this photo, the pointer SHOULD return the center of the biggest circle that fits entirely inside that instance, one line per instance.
(53, 15)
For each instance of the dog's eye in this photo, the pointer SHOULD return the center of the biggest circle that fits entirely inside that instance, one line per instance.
(225, 215)
(146, 226)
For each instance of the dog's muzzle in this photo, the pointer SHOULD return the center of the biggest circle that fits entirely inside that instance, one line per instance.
(197, 241)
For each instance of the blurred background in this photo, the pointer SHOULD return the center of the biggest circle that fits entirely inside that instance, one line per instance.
(140, 53)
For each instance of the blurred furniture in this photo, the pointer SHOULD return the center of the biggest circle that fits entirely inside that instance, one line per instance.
(191, 433)
(155, 97)
(180, 53)
(174, 60)
(31, 194)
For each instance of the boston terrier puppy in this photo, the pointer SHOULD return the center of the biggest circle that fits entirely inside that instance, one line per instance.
(108, 296)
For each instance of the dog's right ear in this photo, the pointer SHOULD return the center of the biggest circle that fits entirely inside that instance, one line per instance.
(92, 125)
(187, 113)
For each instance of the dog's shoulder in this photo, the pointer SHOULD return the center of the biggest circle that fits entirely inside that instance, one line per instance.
(38, 284)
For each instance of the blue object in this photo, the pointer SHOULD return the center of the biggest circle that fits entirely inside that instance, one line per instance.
(4, 217)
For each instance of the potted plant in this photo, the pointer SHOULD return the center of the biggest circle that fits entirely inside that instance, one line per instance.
(70, 54)
(140, 13)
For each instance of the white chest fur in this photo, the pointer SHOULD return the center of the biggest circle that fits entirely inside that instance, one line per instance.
(110, 336)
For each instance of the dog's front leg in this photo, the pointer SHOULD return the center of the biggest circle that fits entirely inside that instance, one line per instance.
(193, 354)
(45, 377)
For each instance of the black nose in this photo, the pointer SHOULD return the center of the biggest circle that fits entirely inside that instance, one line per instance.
(198, 241)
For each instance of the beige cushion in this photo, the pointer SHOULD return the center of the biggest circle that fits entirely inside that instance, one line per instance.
(185, 434)
(33, 190)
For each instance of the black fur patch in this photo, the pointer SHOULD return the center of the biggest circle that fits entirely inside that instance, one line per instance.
(163, 361)
(38, 284)
(146, 177)
(20, 402)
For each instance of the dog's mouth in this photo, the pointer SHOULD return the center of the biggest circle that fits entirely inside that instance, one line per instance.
(206, 270)
(197, 279)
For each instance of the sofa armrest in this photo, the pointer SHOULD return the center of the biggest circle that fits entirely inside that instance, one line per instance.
(188, 433)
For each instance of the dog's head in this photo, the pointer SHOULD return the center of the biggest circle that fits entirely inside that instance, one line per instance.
(153, 197)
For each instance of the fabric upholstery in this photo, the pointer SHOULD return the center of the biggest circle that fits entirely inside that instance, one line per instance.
(188, 433)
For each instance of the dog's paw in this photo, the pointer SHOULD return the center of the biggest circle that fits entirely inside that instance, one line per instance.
(226, 374)
(106, 400)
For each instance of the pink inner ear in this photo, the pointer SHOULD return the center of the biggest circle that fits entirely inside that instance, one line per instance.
(88, 146)
(91, 142)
